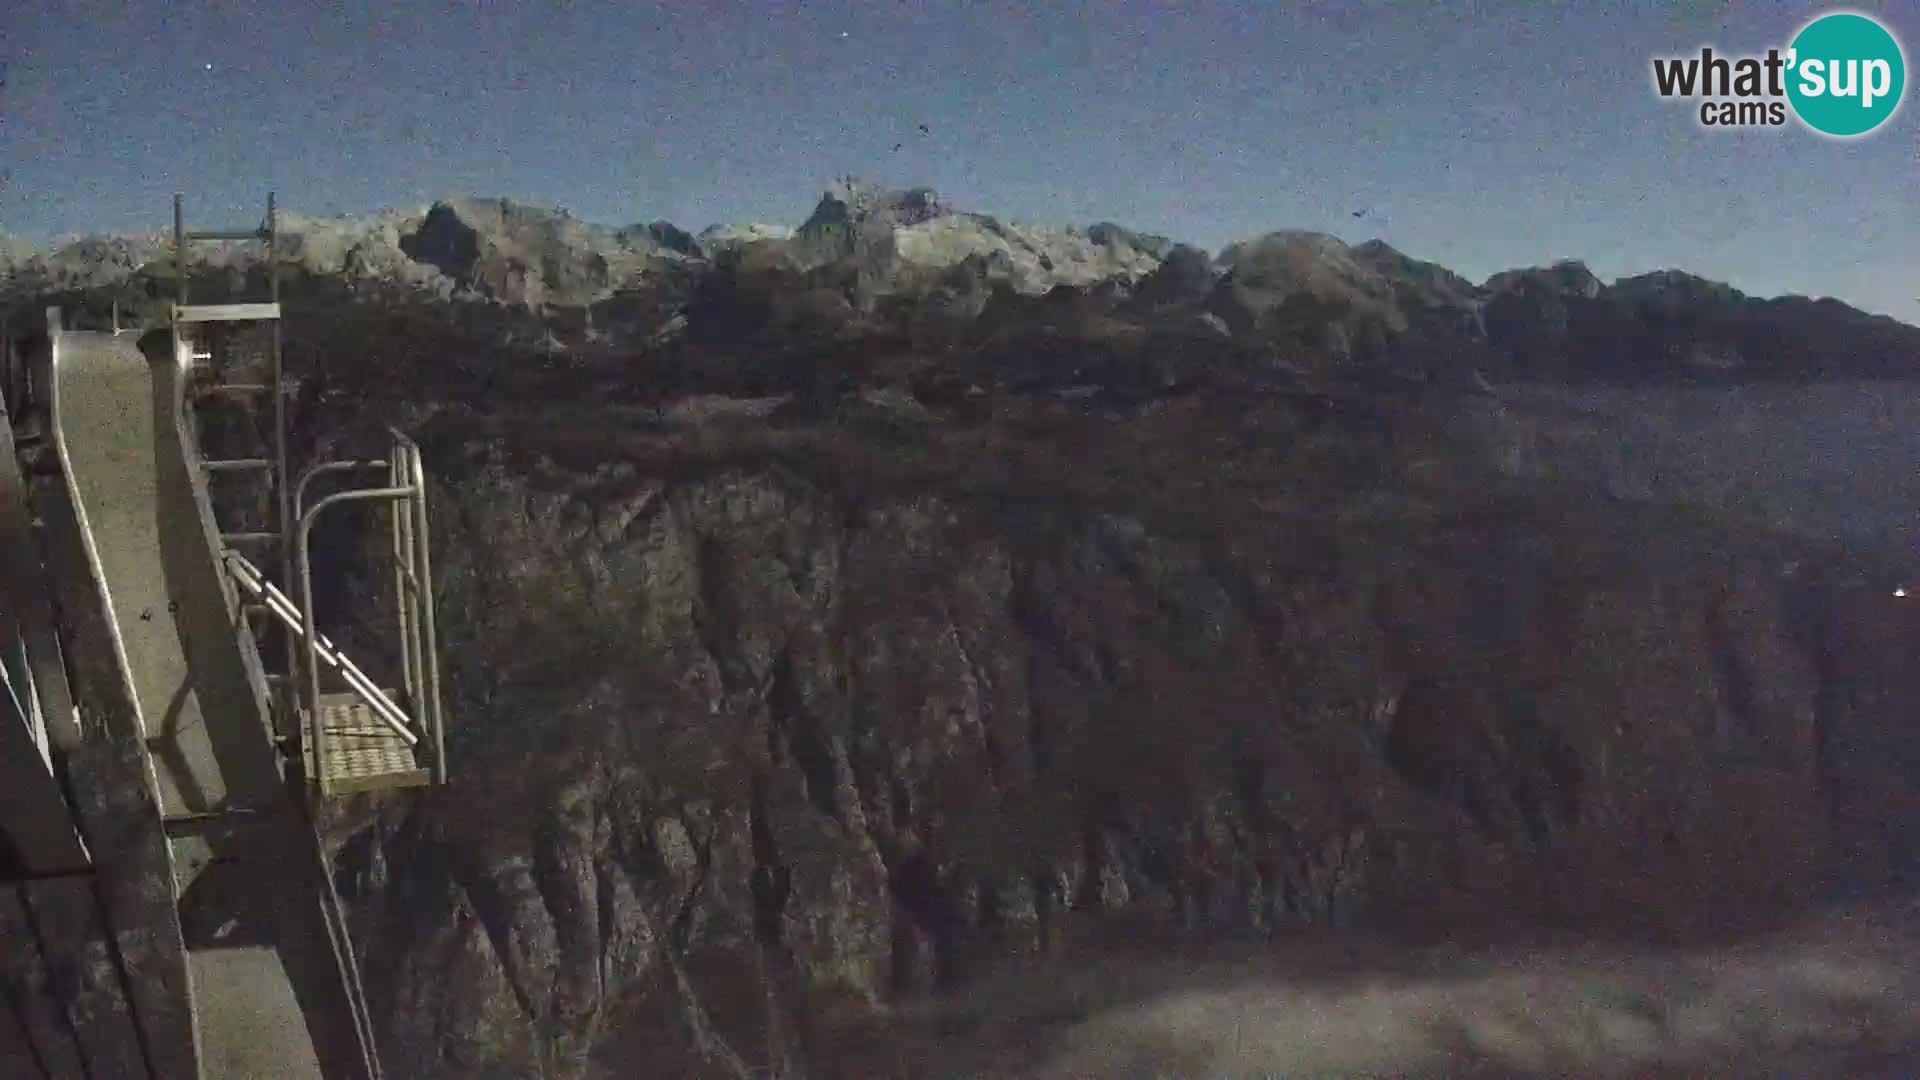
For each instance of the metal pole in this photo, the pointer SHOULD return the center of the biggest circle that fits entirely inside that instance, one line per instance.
(430, 646)
(180, 293)
(416, 643)
(309, 709)
(179, 250)
(281, 495)
(399, 517)
(409, 574)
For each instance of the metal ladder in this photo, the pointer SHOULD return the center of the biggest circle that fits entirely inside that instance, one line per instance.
(362, 737)
(206, 331)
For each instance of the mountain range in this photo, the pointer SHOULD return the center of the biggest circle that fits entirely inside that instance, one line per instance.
(871, 262)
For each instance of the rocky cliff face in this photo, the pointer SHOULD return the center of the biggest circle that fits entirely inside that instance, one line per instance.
(833, 620)
(771, 724)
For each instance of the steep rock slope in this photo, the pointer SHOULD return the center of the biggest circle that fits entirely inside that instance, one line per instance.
(767, 723)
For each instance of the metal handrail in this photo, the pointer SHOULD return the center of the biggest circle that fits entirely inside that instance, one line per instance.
(323, 469)
(369, 691)
(405, 588)
(311, 630)
(426, 632)
(300, 503)
(406, 490)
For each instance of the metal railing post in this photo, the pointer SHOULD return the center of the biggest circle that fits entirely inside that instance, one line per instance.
(406, 623)
(316, 731)
(179, 250)
(430, 643)
(282, 508)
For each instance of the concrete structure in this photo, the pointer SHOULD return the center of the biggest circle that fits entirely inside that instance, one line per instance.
(157, 775)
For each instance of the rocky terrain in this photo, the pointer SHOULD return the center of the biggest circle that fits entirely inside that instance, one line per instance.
(847, 621)
(905, 263)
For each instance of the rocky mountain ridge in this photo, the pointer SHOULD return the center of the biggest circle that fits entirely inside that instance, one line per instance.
(872, 262)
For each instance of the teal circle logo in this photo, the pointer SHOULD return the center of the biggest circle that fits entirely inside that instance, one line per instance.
(1845, 74)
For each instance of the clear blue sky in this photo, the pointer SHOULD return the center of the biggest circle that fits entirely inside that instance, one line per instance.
(1482, 135)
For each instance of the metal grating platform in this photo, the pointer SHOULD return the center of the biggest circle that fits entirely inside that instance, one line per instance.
(363, 754)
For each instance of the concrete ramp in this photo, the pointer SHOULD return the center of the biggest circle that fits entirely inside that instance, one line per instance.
(135, 491)
(273, 986)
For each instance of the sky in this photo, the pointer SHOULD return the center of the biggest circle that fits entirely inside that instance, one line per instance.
(1481, 135)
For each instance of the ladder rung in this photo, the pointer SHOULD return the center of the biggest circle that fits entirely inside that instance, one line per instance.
(249, 537)
(199, 313)
(185, 824)
(225, 814)
(228, 234)
(236, 464)
(233, 388)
